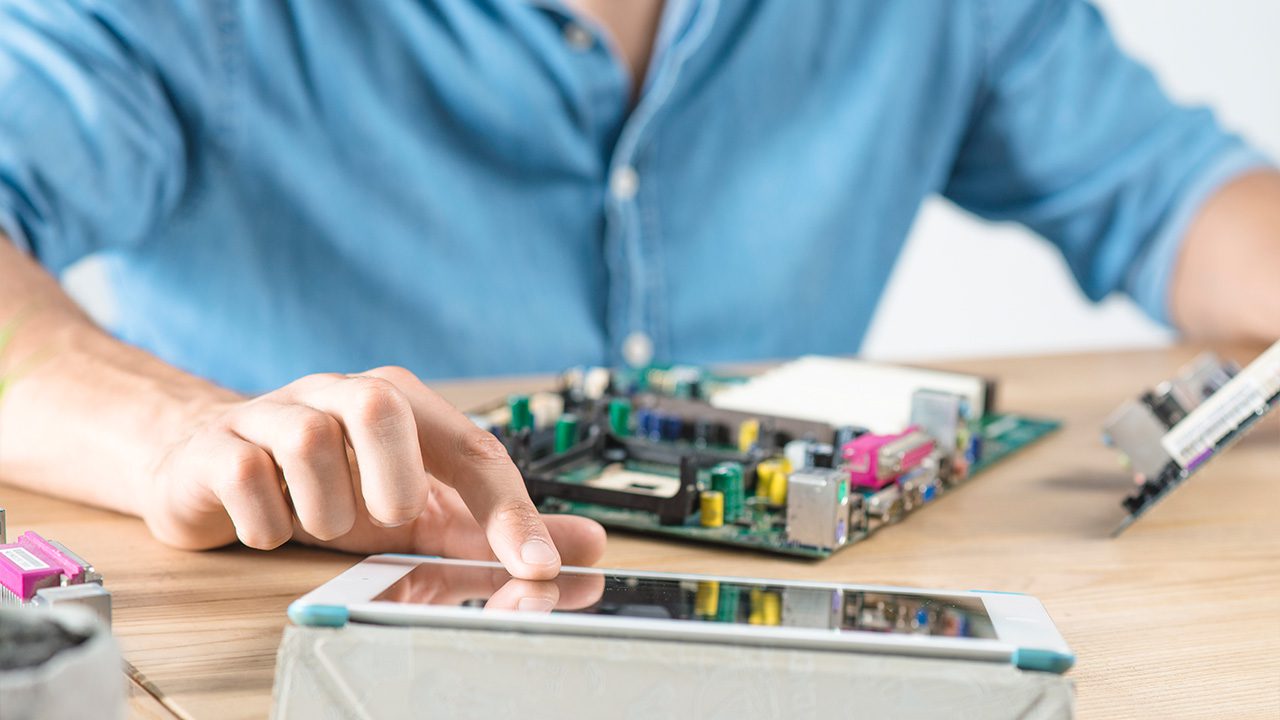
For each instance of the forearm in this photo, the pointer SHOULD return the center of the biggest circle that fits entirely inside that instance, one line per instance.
(1227, 281)
(82, 415)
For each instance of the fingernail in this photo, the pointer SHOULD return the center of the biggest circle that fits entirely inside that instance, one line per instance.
(537, 552)
(535, 604)
(382, 524)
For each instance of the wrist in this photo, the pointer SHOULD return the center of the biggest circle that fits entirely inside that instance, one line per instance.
(179, 512)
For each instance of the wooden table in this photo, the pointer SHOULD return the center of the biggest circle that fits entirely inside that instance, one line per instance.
(1179, 617)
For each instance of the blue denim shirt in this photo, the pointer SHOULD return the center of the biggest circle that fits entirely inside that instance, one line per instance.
(463, 187)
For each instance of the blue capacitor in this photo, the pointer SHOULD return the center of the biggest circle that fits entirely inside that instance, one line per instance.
(922, 618)
(655, 426)
(974, 452)
(670, 427)
(646, 422)
(929, 493)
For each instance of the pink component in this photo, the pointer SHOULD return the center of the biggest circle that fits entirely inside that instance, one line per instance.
(32, 563)
(68, 565)
(874, 461)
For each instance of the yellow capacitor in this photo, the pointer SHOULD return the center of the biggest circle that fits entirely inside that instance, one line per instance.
(712, 506)
(772, 608)
(707, 600)
(748, 434)
(771, 480)
(757, 607)
(764, 477)
(766, 608)
(778, 488)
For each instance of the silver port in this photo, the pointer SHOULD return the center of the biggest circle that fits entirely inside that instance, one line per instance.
(1137, 433)
(817, 515)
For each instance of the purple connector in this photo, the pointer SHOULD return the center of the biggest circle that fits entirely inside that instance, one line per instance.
(1199, 459)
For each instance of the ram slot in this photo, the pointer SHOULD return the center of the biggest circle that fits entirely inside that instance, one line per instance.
(1193, 440)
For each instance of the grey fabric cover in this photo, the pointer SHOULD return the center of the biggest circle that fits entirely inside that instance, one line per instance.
(366, 671)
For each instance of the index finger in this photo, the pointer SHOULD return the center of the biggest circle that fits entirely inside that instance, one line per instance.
(476, 464)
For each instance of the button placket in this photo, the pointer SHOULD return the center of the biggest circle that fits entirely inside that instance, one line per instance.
(634, 308)
(637, 349)
(624, 183)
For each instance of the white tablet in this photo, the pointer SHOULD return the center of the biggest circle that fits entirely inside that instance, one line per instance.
(417, 590)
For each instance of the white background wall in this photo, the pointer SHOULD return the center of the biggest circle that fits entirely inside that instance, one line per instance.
(1016, 293)
(1006, 290)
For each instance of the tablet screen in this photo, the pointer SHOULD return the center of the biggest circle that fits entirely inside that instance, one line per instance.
(690, 600)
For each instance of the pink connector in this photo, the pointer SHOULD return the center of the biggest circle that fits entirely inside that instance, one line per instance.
(874, 461)
(33, 563)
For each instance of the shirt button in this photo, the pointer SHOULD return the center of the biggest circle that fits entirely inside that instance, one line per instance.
(637, 349)
(624, 182)
(578, 37)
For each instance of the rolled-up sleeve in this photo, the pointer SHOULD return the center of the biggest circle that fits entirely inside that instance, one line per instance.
(1076, 140)
(91, 152)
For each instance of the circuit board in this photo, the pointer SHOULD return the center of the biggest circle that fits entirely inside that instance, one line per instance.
(1002, 436)
(1175, 475)
(1172, 431)
(649, 451)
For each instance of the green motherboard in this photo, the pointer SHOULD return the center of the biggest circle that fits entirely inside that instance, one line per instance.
(1001, 435)
(650, 451)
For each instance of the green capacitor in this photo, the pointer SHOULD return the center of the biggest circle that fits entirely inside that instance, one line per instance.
(726, 478)
(727, 607)
(566, 432)
(521, 415)
(620, 416)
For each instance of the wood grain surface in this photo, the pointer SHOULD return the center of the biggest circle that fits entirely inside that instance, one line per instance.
(1177, 618)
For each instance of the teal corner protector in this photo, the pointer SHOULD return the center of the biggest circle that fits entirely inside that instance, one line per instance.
(318, 615)
(1042, 660)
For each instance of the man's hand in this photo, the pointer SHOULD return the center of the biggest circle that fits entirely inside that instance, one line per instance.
(367, 463)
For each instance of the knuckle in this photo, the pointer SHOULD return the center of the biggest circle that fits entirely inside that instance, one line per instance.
(331, 528)
(263, 538)
(321, 377)
(402, 505)
(395, 515)
(246, 466)
(395, 374)
(315, 431)
(305, 383)
(516, 513)
(482, 448)
(376, 402)
(403, 377)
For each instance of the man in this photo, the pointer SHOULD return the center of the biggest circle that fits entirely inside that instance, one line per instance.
(280, 189)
